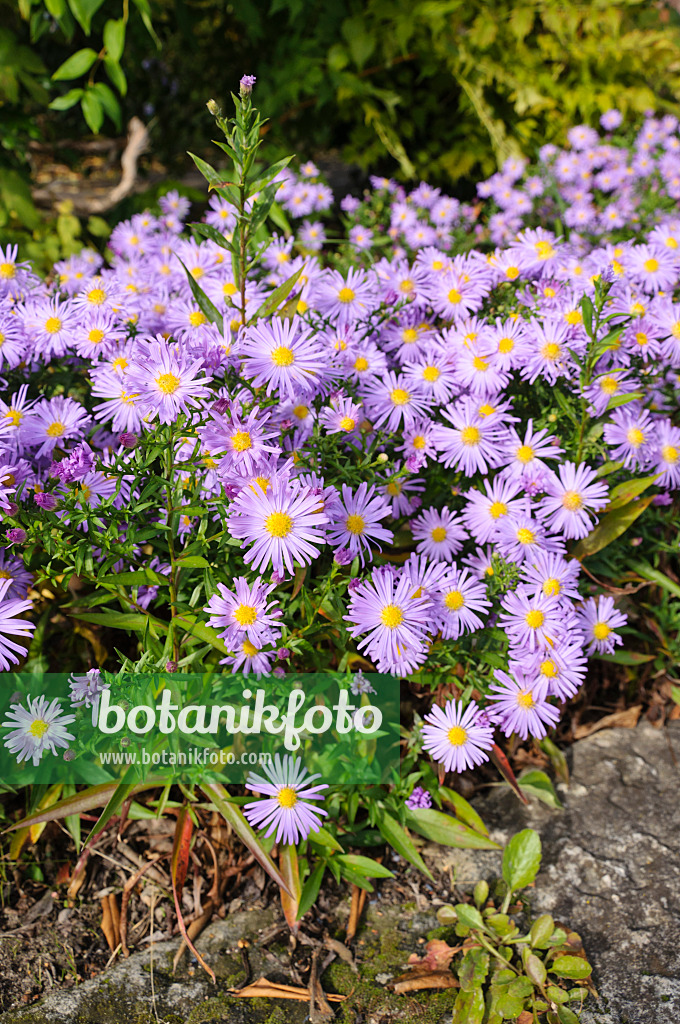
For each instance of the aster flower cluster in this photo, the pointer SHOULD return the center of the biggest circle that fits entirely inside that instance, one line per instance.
(393, 451)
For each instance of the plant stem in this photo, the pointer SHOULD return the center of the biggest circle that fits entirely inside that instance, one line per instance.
(169, 467)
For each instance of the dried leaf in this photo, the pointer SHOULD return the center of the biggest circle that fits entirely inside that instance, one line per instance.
(626, 719)
(179, 865)
(416, 981)
(107, 925)
(438, 956)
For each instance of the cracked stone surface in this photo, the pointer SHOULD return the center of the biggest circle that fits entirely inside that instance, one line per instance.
(611, 867)
(611, 870)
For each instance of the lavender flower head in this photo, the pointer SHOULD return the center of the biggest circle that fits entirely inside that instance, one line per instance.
(246, 84)
(419, 798)
(287, 810)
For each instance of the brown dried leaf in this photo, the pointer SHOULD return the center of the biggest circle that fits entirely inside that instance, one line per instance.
(626, 719)
(417, 980)
(438, 955)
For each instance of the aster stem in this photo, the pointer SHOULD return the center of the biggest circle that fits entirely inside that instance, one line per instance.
(169, 467)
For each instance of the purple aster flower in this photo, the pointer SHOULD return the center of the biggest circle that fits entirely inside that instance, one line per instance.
(165, 380)
(394, 619)
(245, 611)
(485, 512)
(345, 299)
(36, 729)
(14, 570)
(630, 435)
(561, 669)
(283, 355)
(356, 524)
(86, 691)
(360, 684)
(360, 237)
(598, 618)
(527, 455)
(457, 737)
(390, 401)
(531, 620)
(248, 658)
(471, 444)
(522, 537)
(282, 524)
(50, 423)
(550, 574)
(666, 455)
(342, 416)
(48, 502)
(288, 812)
(243, 440)
(460, 595)
(611, 119)
(572, 497)
(519, 705)
(419, 798)
(246, 84)
(16, 535)
(439, 534)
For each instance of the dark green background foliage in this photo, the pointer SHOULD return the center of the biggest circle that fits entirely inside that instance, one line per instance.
(439, 89)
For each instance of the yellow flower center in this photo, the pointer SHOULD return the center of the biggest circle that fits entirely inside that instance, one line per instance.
(669, 453)
(96, 296)
(241, 441)
(15, 417)
(355, 524)
(549, 292)
(168, 383)
(534, 619)
(245, 614)
(406, 285)
(635, 437)
(498, 509)
(572, 501)
(301, 411)
(454, 297)
(347, 423)
(419, 442)
(287, 797)
(38, 728)
(278, 524)
(601, 630)
(346, 295)
(283, 356)
(651, 265)
(524, 454)
(7, 271)
(544, 250)
(52, 325)
(197, 318)
(574, 316)
(470, 435)
(551, 587)
(641, 338)
(512, 272)
(393, 488)
(505, 345)
(609, 385)
(480, 364)
(525, 536)
(457, 736)
(454, 600)
(360, 364)
(119, 364)
(96, 335)
(550, 351)
(391, 616)
(56, 429)
(400, 397)
(438, 534)
(525, 700)
(637, 309)
(548, 668)
(229, 288)
(250, 650)
(431, 373)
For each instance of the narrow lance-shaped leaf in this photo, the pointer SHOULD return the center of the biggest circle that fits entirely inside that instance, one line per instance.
(178, 872)
(86, 800)
(208, 309)
(290, 898)
(610, 528)
(273, 301)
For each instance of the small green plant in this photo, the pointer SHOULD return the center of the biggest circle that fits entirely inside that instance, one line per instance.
(509, 973)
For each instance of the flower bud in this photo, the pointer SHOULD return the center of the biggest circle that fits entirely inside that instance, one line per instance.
(16, 536)
(220, 406)
(246, 85)
(45, 501)
(213, 108)
(10, 508)
(128, 439)
(171, 666)
(382, 458)
(69, 755)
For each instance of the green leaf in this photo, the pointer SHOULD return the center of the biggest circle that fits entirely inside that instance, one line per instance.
(83, 11)
(571, 967)
(134, 621)
(608, 467)
(629, 489)
(204, 304)
(535, 968)
(610, 528)
(473, 969)
(109, 102)
(469, 916)
(311, 888)
(66, 101)
(648, 572)
(193, 562)
(116, 75)
(541, 931)
(322, 837)
(279, 295)
(538, 784)
(625, 657)
(469, 1007)
(115, 802)
(463, 810)
(401, 843)
(566, 1015)
(83, 801)
(364, 865)
(264, 177)
(442, 828)
(522, 859)
(140, 577)
(77, 64)
(207, 231)
(232, 814)
(114, 38)
(93, 111)
(144, 9)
